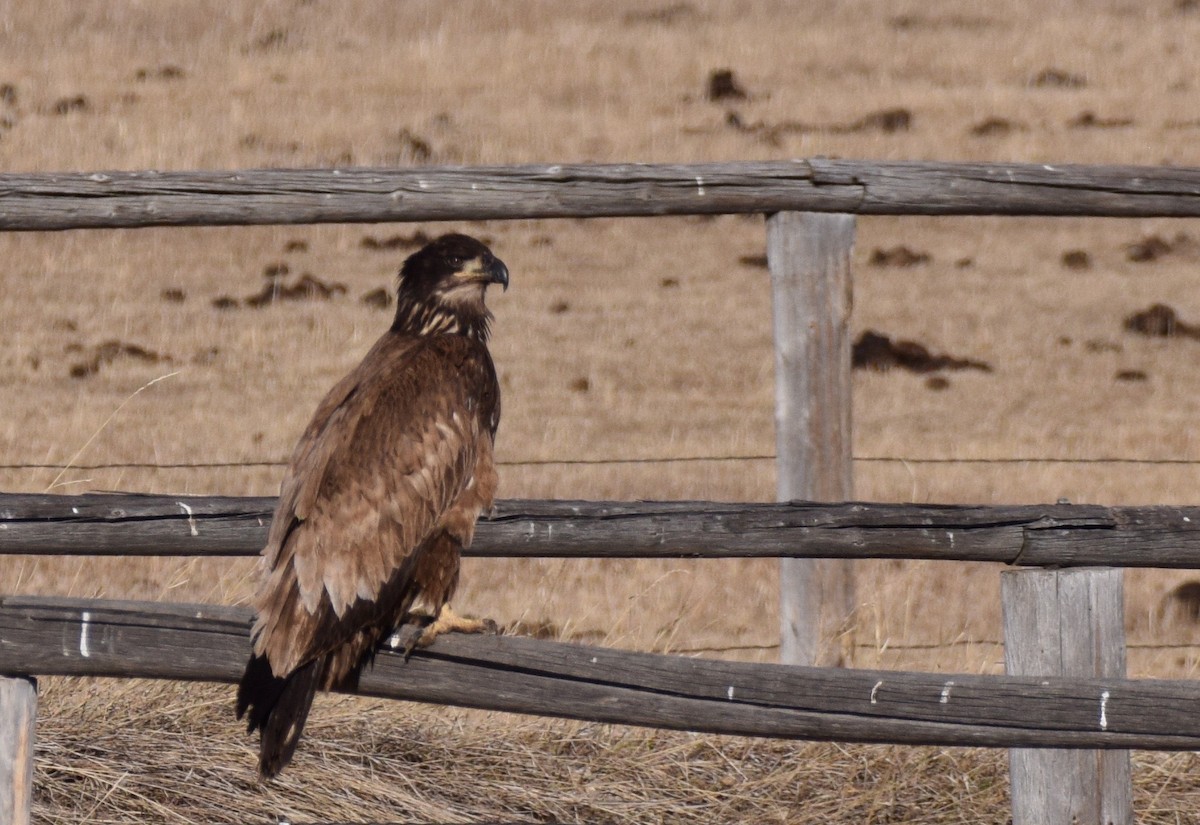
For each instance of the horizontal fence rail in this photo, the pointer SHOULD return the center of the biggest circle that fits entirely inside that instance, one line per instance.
(1068, 535)
(78, 637)
(54, 201)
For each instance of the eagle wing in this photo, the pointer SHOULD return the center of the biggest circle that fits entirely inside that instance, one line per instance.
(398, 450)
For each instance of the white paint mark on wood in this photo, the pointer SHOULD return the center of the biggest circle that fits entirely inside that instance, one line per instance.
(700, 185)
(729, 693)
(191, 519)
(1104, 710)
(84, 630)
(875, 690)
(946, 692)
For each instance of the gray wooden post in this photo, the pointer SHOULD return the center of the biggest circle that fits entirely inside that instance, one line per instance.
(1067, 623)
(18, 712)
(808, 254)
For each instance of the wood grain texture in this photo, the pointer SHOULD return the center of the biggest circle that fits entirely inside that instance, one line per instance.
(1067, 623)
(1036, 535)
(51, 201)
(18, 713)
(210, 643)
(809, 259)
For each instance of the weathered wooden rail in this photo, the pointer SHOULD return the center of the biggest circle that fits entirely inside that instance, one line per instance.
(85, 637)
(54, 201)
(1032, 535)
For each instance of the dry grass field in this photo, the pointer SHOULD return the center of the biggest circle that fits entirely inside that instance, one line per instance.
(620, 339)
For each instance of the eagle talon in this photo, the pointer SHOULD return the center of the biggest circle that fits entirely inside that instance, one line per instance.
(450, 622)
(414, 641)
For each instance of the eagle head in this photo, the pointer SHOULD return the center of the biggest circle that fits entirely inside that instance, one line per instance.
(442, 287)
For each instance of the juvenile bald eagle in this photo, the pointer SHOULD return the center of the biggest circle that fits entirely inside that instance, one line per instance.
(380, 497)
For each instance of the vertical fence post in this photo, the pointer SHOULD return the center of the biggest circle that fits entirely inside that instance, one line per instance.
(1067, 623)
(808, 255)
(18, 712)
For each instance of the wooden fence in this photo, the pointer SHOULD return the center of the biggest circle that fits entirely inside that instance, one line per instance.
(86, 637)
(1077, 699)
(1029, 535)
(290, 196)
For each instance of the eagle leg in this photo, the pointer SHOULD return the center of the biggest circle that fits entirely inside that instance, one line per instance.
(448, 621)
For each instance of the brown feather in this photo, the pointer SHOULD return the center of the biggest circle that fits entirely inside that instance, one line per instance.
(342, 527)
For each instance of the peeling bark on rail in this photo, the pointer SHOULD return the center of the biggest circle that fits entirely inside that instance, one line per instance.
(54, 201)
(211, 643)
(1032, 534)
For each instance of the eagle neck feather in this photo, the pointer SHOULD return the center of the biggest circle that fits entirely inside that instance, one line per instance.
(421, 318)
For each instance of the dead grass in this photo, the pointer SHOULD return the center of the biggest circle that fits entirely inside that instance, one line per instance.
(412, 763)
(637, 338)
(135, 751)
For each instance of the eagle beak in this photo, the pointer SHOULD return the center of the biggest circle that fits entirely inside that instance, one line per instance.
(498, 273)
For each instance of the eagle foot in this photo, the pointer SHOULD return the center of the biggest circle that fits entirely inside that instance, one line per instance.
(448, 621)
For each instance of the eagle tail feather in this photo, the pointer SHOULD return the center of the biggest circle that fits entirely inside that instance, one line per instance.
(278, 707)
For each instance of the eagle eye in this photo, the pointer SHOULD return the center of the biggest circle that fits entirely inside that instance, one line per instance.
(456, 261)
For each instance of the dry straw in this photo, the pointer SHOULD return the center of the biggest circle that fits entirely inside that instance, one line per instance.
(131, 752)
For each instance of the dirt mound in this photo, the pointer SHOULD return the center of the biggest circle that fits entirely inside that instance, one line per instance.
(884, 121)
(899, 256)
(109, 351)
(722, 85)
(1153, 247)
(1160, 321)
(414, 239)
(378, 298)
(879, 352)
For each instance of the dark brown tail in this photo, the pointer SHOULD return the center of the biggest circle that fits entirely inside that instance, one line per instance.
(278, 707)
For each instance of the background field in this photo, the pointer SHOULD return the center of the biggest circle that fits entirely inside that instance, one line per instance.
(620, 339)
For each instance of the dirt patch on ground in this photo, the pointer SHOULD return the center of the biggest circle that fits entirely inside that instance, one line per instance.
(1160, 321)
(879, 352)
(97, 356)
